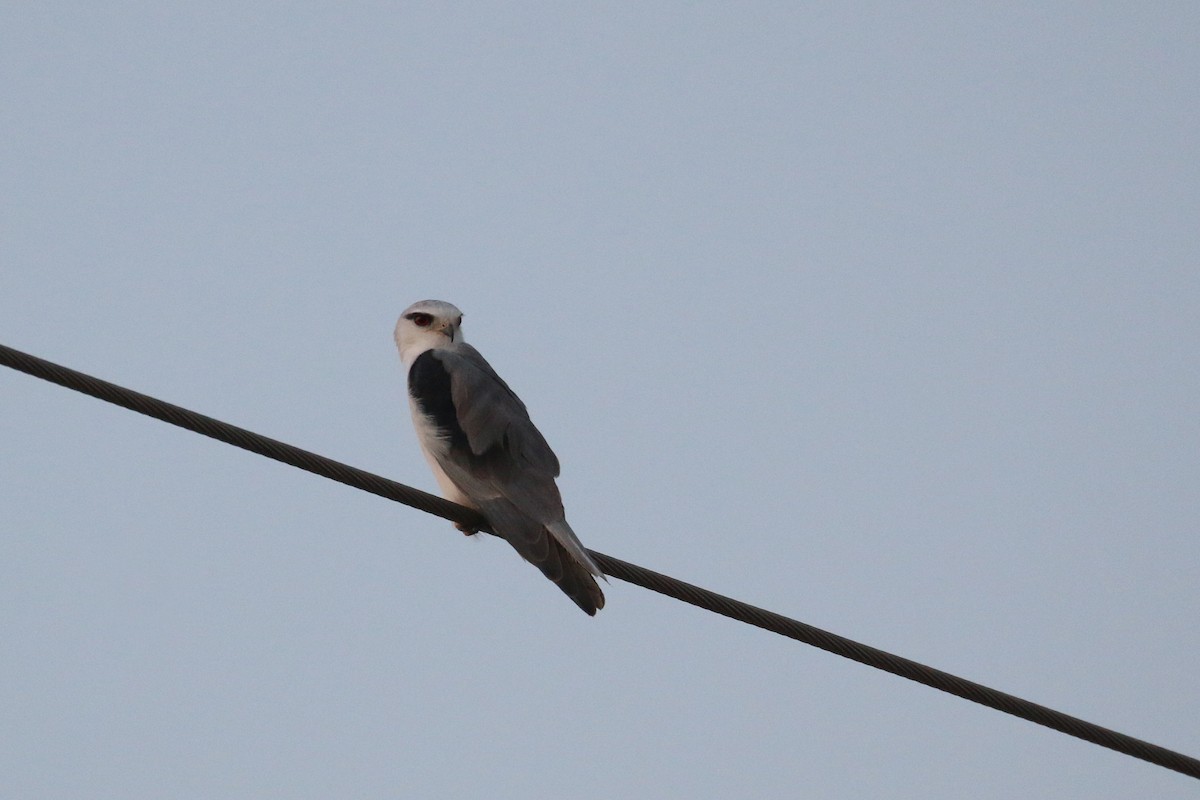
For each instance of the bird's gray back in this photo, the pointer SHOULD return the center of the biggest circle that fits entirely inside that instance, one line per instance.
(491, 448)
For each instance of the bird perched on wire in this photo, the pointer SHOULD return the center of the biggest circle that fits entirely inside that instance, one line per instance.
(485, 452)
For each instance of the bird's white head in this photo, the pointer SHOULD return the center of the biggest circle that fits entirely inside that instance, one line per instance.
(427, 325)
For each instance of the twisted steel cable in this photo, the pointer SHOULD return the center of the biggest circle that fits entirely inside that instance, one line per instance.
(615, 567)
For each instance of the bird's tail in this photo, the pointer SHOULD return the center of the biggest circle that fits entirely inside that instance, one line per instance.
(573, 578)
(542, 546)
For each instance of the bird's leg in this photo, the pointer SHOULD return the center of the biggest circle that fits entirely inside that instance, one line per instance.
(467, 529)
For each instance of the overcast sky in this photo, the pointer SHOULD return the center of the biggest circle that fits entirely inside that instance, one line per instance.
(885, 318)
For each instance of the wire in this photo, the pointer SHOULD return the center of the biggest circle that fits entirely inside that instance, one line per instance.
(632, 573)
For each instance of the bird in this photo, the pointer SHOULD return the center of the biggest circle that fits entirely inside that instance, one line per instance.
(485, 452)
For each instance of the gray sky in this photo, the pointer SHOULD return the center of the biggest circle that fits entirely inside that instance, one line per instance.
(883, 318)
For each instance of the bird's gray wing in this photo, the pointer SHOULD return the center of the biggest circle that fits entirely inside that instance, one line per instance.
(503, 463)
(491, 415)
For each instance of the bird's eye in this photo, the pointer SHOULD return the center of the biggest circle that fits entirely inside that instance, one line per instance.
(421, 320)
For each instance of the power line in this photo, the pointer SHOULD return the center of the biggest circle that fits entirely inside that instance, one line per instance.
(632, 573)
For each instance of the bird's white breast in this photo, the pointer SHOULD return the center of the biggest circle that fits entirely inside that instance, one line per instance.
(433, 444)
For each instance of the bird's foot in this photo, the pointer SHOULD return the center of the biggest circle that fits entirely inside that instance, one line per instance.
(467, 529)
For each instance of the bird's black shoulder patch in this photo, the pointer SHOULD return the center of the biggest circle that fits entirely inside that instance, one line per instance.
(429, 386)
